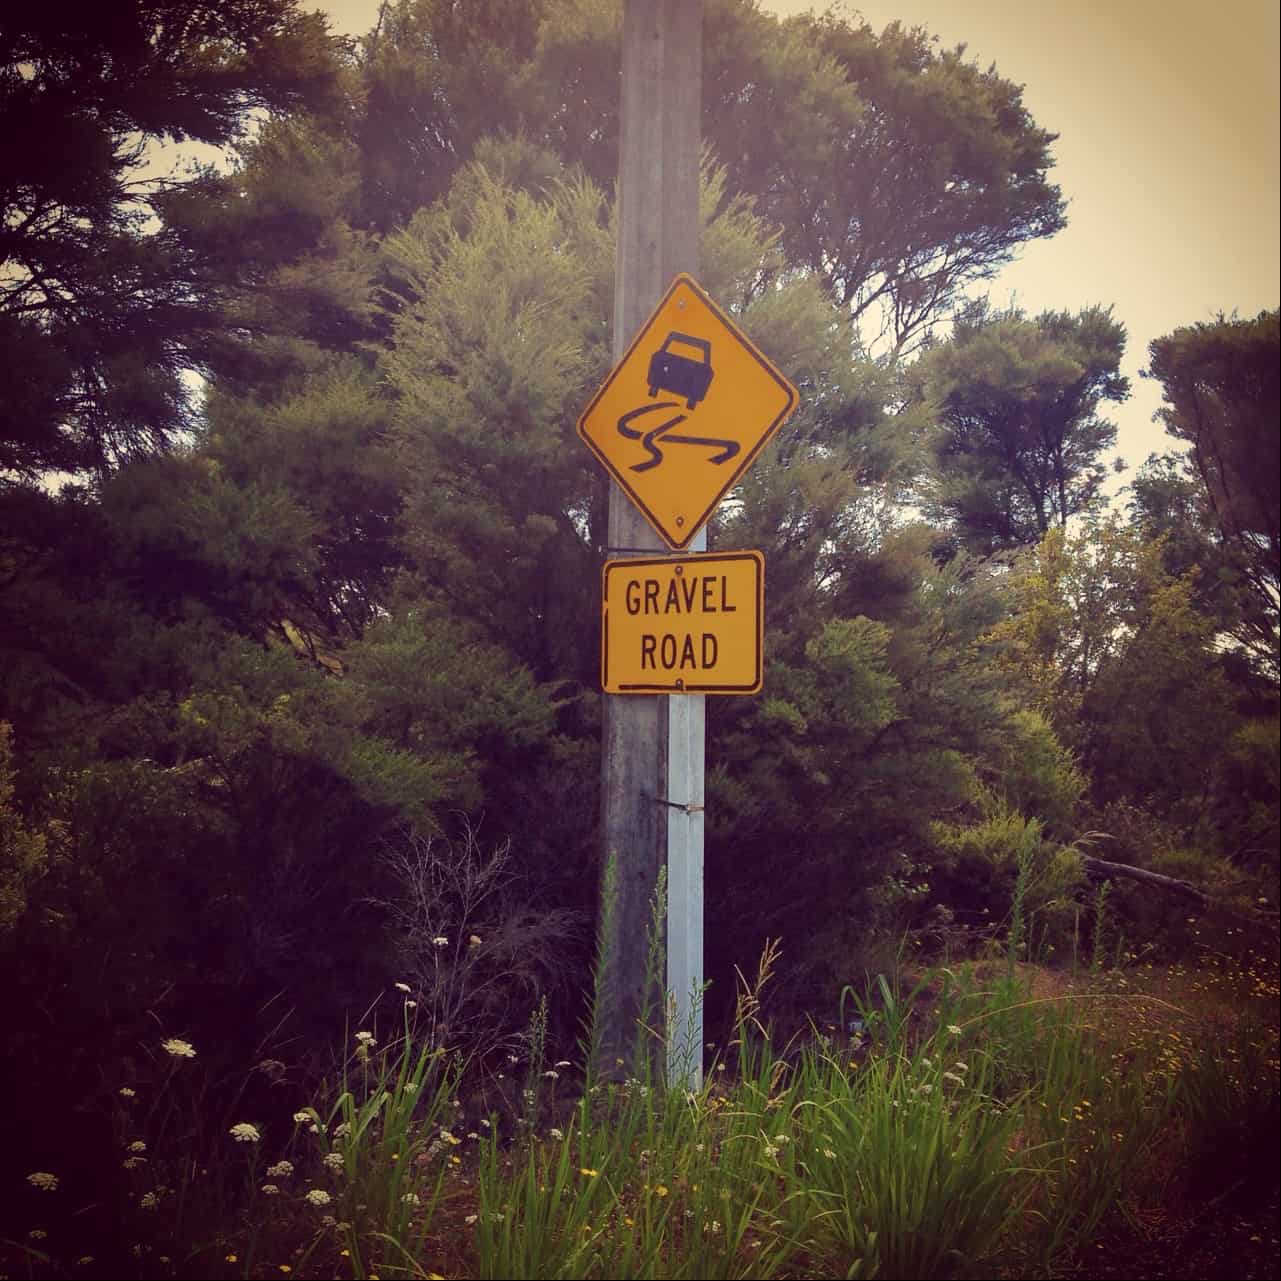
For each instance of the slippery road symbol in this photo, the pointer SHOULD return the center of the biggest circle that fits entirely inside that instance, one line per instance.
(682, 376)
(679, 374)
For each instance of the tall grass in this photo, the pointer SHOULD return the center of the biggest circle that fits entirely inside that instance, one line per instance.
(976, 1126)
(905, 1163)
(389, 1136)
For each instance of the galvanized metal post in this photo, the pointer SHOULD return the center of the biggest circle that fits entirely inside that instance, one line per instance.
(657, 237)
(685, 761)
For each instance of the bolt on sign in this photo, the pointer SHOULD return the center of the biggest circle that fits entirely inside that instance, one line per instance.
(685, 412)
(683, 625)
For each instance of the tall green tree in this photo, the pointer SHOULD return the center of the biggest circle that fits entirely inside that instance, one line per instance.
(1112, 650)
(1167, 503)
(494, 351)
(825, 781)
(900, 173)
(908, 173)
(103, 308)
(1222, 389)
(1020, 430)
(360, 595)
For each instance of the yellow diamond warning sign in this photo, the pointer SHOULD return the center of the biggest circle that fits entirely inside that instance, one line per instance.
(685, 412)
(683, 625)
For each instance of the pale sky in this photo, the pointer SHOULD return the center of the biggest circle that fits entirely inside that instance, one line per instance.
(1167, 113)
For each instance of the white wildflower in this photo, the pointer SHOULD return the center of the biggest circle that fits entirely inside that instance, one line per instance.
(125, 1092)
(137, 1146)
(334, 1160)
(243, 1132)
(401, 987)
(954, 1078)
(470, 1219)
(927, 1063)
(317, 1197)
(86, 1259)
(342, 1130)
(552, 1133)
(301, 1118)
(179, 1049)
(43, 1180)
(149, 1201)
(281, 1170)
(270, 1189)
(925, 1088)
(37, 1234)
(827, 1152)
(411, 1005)
(365, 1038)
(474, 940)
(552, 1075)
(953, 1029)
(440, 941)
(411, 1198)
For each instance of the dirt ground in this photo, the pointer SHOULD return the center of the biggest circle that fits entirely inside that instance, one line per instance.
(1219, 1244)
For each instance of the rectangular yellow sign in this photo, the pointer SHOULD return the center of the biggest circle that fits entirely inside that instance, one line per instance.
(683, 624)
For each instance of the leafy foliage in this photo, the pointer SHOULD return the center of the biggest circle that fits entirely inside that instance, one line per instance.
(1222, 395)
(1020, 440)
(925, 174)
(102, 309)
(282, 636)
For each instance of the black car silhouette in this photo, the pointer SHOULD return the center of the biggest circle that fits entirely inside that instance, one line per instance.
(681, 375)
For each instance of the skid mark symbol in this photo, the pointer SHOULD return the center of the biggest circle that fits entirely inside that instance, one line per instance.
(649, 438)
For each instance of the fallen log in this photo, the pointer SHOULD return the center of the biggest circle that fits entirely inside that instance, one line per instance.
(1101, 867)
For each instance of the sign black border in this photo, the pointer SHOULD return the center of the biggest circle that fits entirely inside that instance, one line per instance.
(793, 398)
(692, 558)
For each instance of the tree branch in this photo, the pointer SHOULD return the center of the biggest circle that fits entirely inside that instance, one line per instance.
(1100, 867)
